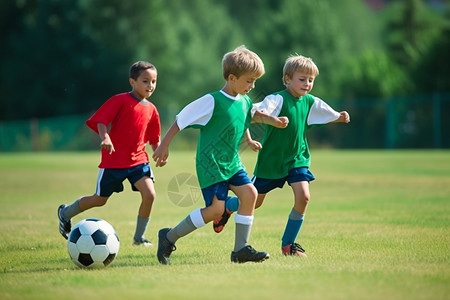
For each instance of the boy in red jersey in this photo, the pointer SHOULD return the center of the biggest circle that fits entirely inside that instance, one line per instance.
(134, 122)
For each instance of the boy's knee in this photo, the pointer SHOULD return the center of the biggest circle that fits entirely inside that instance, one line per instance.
(148, 196)
(100, 201)
(250, 195)
(304, 198)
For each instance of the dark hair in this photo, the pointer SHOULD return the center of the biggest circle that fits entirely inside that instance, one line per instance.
(138, 67)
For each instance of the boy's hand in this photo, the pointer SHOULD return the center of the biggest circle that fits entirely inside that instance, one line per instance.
(160, 155)
(281, 122)
(254, 145)
(345, 117)
(107, 144)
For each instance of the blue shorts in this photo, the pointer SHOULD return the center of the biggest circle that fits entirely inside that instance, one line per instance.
(220, 189)
(294, 175)
(110, 180)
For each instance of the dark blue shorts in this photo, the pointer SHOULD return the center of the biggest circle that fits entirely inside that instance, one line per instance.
(110, 180)
(294, 175)
(220, 189)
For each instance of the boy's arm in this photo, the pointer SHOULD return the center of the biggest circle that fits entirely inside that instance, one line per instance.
(261, 117)
(198, 112)
(154, 146)
(104, 136)
(162, 152)
(254, 145)
(343, 118)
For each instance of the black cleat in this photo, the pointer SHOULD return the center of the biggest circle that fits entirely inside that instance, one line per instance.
(165, 247)
(64, 226)
(248, 254)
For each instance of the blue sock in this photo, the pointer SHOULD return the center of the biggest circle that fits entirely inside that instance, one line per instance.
(232, 203)
(293, 226)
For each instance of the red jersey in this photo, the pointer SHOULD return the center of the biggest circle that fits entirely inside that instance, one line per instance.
(133, 124)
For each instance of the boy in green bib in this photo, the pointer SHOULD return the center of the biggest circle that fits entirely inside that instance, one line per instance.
(284, 154)
(223, 118)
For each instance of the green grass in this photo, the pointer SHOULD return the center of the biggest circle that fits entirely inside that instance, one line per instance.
(378, 227)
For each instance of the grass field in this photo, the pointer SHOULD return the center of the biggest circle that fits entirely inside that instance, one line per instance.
(378, 227)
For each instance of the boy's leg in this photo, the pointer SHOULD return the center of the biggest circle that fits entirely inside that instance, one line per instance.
(147, 190)
(231, 205)
(196, 219)
(168, 236)
(67, 212)
(244, 216)
(295, 220)
(244, 220)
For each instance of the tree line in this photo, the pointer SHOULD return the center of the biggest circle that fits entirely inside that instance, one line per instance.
(61, 57)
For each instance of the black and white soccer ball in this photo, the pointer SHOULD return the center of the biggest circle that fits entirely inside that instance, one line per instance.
(93, 243)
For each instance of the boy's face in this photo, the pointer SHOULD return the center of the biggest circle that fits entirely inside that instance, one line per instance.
(145, 84)
(300, 84)
(242, 85)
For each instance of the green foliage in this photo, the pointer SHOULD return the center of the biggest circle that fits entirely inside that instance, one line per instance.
(376, 228)
(417, 39)
(322, 30)
(374, 74)
(62, 57)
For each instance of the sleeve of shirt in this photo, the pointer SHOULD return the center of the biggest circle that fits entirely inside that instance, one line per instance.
(321, 113)
(198, 112)
(154, 128)
(271, 105)
(105, 114)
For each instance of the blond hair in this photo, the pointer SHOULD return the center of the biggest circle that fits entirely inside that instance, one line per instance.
(241, 61)
(299, 63)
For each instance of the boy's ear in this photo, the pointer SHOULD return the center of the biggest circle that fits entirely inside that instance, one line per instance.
(287, 79)
(131, 81)
(232, 77)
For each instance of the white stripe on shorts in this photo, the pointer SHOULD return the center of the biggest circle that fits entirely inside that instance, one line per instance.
(99, 179)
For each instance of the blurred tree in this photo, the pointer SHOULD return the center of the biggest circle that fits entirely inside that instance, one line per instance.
(411, 27)
(187, 40)
(415, 35)
(324, 31)
(75, 55)
(433, 70)
(59, 58)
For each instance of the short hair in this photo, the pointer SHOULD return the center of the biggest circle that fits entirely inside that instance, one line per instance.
(139, 66)
(241, 61)
(299, 63)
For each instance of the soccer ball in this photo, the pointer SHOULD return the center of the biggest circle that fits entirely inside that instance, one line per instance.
(93, 243)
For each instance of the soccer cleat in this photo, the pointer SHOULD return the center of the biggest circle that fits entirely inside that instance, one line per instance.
(219, 223)
(143, 242)
(64, 226)
(293, 249)
(248, 254)
(165, 247)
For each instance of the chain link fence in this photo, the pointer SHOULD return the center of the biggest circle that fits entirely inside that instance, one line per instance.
(420, 121)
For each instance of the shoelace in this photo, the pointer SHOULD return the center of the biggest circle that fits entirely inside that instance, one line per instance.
(296, 247)
(172, 248)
